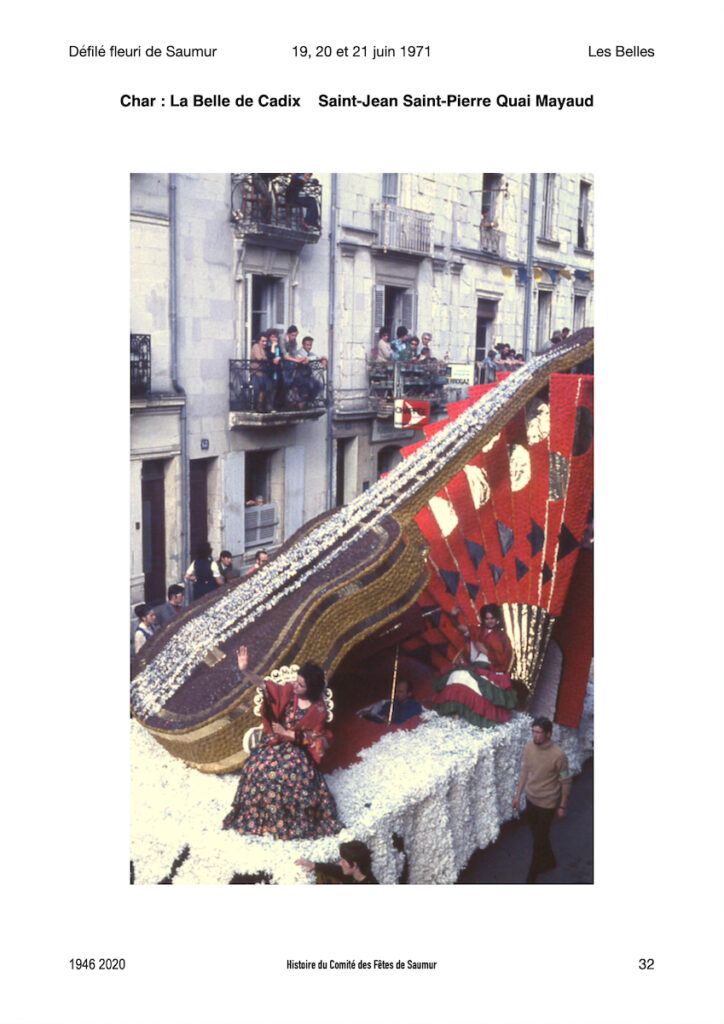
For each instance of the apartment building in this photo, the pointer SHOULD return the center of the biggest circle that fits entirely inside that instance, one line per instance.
(474, 259)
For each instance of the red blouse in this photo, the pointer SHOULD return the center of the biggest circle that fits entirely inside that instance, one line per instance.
(310, 731)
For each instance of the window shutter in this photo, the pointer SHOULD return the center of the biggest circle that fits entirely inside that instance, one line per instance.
(280, 313)
(378, 310)
(409, 310)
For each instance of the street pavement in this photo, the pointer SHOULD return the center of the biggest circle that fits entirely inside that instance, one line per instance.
(506, 861)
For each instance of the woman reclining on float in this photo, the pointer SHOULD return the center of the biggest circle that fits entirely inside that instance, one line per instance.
(482, 692)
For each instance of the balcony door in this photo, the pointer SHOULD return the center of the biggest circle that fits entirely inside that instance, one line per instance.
(154, 530)
(394, 307)
(265, 303)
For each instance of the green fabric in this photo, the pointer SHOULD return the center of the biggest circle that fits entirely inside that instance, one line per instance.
(456, 710)
(500, 698)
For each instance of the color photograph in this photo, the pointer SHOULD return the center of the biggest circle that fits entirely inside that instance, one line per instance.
(361, 522)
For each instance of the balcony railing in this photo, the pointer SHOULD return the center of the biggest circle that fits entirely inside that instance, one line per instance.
(402, 230)
(260, 206)
(140, 365)
(259, 395)
(492, 240)
(388, 381)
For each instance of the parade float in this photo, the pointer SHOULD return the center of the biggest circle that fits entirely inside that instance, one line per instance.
(492, 505)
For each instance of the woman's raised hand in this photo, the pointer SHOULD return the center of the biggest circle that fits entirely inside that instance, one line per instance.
(242, 658)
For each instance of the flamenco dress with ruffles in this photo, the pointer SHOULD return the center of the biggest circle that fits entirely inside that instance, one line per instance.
(281, 791)
(482, 692)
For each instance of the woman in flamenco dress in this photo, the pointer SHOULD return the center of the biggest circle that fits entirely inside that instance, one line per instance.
(482, 691)
(281, 791)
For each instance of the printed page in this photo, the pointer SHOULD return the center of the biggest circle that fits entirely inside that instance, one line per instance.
(489, 188)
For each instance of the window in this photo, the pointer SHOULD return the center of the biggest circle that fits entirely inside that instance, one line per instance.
(266, 299)
(492, 188)
(260, 525)
(579, 312)
(390, 189)
(258, 476)
(584, 203)
(546, 225)
(543, 326)
(394, 307)
(261, 517)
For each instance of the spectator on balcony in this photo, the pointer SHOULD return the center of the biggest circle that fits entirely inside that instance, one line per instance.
(295, 195)
(226, 567)
(276, 351)
(401, 345)
(309, 379)
(146, 627)
(293, 358)
(262, 196)
(490, 367)
(426, 339)
(262, 371)
(414, 343)
(171, 609)
(564, 333)
(259, 500)
(204, 572)
(383, 351)
(290, 340)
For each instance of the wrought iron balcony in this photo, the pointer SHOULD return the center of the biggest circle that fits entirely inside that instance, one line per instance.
(492, 240)
(140, 365)
(388, 381)
(402, 230)
(262, 207)
(260, 396)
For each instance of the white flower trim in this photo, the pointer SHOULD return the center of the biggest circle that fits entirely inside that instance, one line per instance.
(446, 787)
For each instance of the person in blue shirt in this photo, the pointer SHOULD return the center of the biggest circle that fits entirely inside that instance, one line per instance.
(405, 707)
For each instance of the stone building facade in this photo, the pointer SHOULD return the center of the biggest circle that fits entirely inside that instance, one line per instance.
(474, 259)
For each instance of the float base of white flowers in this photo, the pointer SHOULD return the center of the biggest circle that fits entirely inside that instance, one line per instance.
(445, 787)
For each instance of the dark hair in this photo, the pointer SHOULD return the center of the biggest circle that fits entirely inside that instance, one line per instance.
(272, 332)
(226, 553)
(414, 339)
(307, 337)
(313, 676)
(203, 550)
(141, 610)
(174, 589)
(356, 852)
(543, 723)
(493, 609)
(384, 332)
(402, 332)
(258, 555)
(491, 353)
(292, 327)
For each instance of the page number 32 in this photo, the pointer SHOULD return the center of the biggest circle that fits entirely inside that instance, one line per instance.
(646, 964)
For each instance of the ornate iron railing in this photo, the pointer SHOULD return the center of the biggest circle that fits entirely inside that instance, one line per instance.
(492, 240)
(426, 380)
(260, 205)
(140, 365)
(402, 230)
(291, 387)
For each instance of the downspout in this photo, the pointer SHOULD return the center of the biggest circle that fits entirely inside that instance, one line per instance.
(331, 476)
(529, 267)
(178, 390)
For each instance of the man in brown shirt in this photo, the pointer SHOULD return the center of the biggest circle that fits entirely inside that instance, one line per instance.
(546, 779)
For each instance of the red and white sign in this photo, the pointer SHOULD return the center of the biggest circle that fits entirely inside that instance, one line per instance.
(411, 413)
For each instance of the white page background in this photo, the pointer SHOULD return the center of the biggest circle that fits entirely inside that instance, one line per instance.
(506, 954)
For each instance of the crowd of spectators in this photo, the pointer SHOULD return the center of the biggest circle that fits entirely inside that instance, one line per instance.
(283, 375)
(204, 576)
